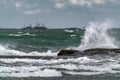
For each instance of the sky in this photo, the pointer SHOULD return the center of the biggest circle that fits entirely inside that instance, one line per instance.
(57, 13)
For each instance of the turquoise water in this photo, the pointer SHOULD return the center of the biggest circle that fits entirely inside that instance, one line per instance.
(40, 40)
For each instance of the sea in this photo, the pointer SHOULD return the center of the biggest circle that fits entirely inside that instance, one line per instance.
(47, 43)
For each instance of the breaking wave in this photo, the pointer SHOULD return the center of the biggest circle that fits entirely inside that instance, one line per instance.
(6, 51)
(58, 67)
(96, 36)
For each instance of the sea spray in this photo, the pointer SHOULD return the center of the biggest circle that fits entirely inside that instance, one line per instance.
(96, 36)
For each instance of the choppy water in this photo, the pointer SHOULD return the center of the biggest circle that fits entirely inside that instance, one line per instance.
(48, 43)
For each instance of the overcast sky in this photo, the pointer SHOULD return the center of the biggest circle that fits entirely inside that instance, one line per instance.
(57, 13)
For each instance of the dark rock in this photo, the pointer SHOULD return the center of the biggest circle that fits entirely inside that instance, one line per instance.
(90, 52)
(68, 53)
(102, 51)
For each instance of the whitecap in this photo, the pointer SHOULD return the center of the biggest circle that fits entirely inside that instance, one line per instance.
(70, 31)
(15, 35)
(72, 35)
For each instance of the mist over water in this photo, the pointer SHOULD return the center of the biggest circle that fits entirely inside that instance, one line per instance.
(96, 36)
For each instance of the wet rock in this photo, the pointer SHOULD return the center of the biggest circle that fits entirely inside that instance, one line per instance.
(102, 51)
(68, 53)
(90, 52)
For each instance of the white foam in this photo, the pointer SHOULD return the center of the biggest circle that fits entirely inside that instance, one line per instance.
(28, 72)
(22, 34)
(112, 68)
(48, 53)
(6, 51)
(47, 68)
(73, 66)
(82, 73)
(28, 34)
(52, 61)
(70, 31)
(96, 36)
(72, 35)
(14, 34)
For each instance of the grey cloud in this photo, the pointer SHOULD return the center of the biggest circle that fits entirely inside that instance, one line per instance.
(86, 3)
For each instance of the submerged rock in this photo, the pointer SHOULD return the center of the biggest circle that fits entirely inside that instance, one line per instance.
(90, 52)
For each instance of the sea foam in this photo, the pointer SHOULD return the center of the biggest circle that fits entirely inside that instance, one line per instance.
(28, 72)
(55, 67)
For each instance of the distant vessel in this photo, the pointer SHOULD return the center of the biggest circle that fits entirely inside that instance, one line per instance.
(37, 27)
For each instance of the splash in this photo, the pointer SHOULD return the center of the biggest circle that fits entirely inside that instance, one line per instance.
(96, 36)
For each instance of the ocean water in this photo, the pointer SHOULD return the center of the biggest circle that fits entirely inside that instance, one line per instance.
(49, 42)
